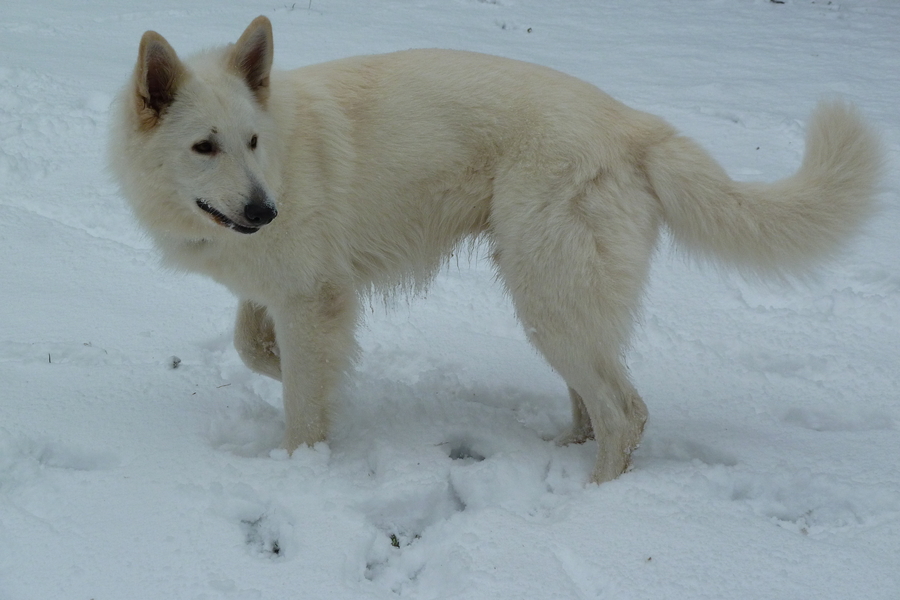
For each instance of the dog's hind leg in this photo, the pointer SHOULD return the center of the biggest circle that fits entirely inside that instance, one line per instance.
(617, 414)
(604, 403)
(254, 339)
(581, 429)
(575, 267)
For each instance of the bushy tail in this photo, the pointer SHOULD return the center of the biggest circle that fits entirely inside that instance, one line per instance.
(782, 228)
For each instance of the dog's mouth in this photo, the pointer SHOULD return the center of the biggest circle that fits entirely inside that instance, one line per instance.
(224, 221)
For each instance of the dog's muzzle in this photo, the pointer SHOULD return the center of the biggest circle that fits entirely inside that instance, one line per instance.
(256, 214)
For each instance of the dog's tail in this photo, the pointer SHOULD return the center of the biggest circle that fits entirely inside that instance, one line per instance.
(781, 228)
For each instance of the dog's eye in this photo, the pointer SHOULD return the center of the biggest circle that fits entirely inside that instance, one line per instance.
(253, 141)
(204, 147)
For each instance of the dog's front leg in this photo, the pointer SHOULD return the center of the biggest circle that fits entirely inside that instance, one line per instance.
(254, 338)
(315, 336)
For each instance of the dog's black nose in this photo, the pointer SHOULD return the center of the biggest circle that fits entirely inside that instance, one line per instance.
(259, 213)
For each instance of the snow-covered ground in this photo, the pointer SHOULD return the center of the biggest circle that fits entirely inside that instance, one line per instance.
(770, 464)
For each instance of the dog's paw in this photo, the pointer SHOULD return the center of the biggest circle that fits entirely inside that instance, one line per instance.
(574, 435)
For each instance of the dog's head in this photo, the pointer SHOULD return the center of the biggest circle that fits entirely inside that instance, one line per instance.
(194, 153)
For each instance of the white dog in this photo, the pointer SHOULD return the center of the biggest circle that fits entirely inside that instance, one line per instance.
(301, 190)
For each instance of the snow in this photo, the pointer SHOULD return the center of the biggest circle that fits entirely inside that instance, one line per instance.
(769, 466)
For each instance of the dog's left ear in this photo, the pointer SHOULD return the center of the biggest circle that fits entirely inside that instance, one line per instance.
(251, 57)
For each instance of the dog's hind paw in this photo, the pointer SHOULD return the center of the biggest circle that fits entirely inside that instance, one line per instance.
(574, 435)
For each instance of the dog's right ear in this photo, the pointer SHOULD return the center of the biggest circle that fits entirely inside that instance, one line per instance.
(157, 76)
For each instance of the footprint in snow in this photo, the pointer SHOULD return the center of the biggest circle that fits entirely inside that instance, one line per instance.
(264, 534)
(683, 450)
(410, 519)
(23, 459)
(808, 503)
(417, 522)
(818, 420)
(267, 528)
(408, 531)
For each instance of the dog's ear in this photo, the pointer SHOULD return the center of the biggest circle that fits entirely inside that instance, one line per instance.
(251, 57)
(158, 74)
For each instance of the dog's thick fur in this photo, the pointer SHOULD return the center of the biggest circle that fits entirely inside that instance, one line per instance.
(365, 173)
